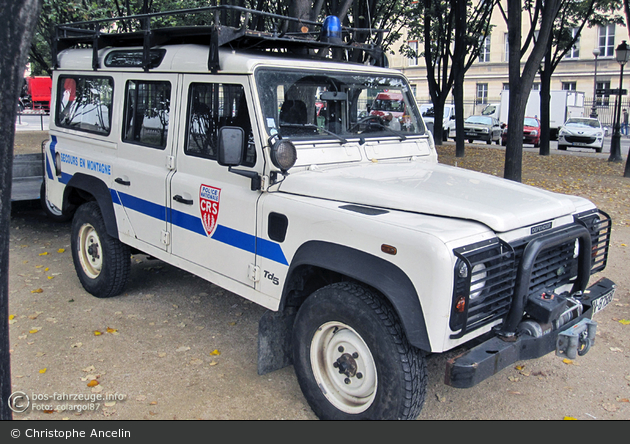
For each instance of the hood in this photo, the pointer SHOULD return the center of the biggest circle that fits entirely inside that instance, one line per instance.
(433, 189)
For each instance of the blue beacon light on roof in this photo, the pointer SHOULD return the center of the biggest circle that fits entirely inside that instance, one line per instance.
(331, 30)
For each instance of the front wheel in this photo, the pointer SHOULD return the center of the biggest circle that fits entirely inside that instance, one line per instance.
(101, 261)
(352, 358)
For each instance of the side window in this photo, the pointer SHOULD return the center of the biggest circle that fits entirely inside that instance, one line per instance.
(147, 107)
(85, 103)
(212, 106)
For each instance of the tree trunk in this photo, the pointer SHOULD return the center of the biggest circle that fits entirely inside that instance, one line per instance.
(17, 22)
(545, 99)
(459, 56)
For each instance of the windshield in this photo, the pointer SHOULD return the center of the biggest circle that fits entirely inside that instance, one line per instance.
(530, 122)
(479, 119)
(318, 105)
(593, 123)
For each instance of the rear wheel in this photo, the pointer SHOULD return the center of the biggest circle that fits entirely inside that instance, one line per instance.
(101, 261)
(352, 359)
(562, 147)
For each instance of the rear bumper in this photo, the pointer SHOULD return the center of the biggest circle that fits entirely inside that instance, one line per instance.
(495, 354)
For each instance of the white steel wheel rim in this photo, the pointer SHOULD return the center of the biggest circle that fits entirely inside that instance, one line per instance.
(90, 251)
(343, 367)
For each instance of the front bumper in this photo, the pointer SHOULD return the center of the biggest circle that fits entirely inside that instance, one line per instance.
(495, 354)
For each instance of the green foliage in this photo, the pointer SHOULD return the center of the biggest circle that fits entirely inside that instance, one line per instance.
(367, 14)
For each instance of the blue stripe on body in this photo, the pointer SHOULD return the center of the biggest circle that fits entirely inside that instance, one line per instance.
(229, 236)
(51, 147)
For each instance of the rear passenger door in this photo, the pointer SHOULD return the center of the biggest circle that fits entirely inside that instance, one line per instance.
(145, 153)
(213, 211)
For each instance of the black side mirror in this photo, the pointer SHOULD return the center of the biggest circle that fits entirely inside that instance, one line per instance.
(231, 146)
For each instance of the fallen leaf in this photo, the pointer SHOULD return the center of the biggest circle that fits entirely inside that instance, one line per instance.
(89, 369)
(77, 345)
(112, 330)
(33, 331)
(519, 367)
(97, 333)
(39, 290)
(623, 400)
(615, 349)
(213, 363)
(513, 378)
(609, 407)
(110, 404)
(45, 253)
(92, 383)
(61, 250)
(570, 418)
(161, 355)
(11, 317)
(215, 353)
(568, 361)
(42, 371)
(182, 348)
(624, 321)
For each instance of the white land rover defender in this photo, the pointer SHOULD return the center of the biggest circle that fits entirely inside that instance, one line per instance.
(252, 160)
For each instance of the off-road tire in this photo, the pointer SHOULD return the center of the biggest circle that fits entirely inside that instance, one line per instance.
(101, 261)
(350, 316)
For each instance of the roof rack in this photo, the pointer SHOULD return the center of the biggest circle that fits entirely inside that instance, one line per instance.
(243, 29)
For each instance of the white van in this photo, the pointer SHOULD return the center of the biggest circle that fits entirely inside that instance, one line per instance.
(448, 121)
(262, 171)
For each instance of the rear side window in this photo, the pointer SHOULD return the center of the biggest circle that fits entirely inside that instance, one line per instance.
(84, 103)
(147, 109)
(212, 106)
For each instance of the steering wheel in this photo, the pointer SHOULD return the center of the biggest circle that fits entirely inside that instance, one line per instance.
(369, 122)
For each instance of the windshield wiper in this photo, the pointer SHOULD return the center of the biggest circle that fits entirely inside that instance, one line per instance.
(313, 126)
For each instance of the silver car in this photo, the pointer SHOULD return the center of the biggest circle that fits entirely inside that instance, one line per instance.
(583, 132)
(482, 128)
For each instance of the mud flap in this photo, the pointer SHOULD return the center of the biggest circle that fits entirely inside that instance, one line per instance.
(275, 344)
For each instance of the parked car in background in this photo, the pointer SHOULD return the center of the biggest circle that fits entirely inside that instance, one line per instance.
(485, 128)
(531, 132)
(448, 121)
(583, 132)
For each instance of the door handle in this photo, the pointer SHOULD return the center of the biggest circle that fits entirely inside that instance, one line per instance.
(122, 181)
(180, 199)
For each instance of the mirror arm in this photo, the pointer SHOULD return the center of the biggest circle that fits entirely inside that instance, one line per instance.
(253, 175)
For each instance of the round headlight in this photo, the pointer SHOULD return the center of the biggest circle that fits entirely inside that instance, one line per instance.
(283, 154)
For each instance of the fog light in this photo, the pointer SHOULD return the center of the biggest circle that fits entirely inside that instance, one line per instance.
(283, 155)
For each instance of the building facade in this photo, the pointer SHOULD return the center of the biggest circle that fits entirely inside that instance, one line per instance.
(488, 76)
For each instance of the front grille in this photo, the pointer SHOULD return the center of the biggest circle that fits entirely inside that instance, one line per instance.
(556, 264)
(580, 139)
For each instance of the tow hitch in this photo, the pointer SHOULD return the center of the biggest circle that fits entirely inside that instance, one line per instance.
(576, 340)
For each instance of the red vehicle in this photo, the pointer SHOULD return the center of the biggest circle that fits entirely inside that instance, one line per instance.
(39, 91)
(531, 132)
(388, 103)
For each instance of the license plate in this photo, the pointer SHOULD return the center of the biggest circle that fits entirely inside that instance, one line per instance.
(579, 144)
(601, 302)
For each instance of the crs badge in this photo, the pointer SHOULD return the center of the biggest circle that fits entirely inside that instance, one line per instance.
(209, 199)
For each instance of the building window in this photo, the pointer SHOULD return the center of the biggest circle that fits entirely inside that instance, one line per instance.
(413, 45)
(482, 93)
(603, 99)
(607, 41)
(506, 87)
(536, 86)
(574, 52)
(569, 86)
(484, 52)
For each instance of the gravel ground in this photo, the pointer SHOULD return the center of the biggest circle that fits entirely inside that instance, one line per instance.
(174, 346)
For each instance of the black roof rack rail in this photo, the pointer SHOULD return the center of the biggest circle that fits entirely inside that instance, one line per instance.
(248, 29)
